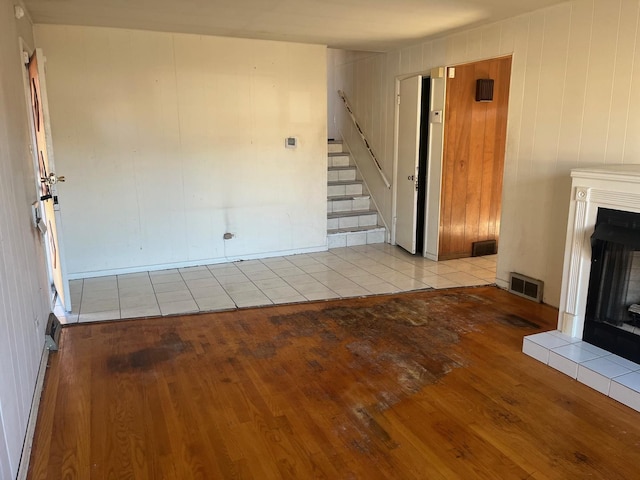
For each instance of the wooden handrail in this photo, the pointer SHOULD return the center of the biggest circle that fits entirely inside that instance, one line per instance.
(364, 138)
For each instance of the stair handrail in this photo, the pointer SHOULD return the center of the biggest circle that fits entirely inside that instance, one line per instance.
(364, 138)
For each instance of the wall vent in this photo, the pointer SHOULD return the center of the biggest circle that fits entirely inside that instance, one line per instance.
(526, 287)
(52, 333)
(485, 247)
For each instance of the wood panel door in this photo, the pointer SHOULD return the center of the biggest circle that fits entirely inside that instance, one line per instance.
(473, 160)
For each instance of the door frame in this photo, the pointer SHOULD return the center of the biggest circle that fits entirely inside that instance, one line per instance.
(38, 207)
(414, 112)
(434, 160)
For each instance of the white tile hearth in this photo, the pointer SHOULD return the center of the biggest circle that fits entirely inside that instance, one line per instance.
(603, 371)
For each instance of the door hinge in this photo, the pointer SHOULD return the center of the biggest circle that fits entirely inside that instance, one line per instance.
(25, 57)
(451, 72)
(398, 96)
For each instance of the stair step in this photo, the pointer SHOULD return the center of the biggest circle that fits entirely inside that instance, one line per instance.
(337, 198)
(338, 160)
(353, 213)
(340, 168)
(335, 146)
(337, 238)
(366, 228)
(336, 174)
(345, 182)
(352, 219)
(344, 187)
(348, 203)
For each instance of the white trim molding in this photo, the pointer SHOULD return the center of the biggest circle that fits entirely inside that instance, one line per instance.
(613, 187)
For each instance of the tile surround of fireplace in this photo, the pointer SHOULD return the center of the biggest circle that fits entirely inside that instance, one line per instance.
(615, 187)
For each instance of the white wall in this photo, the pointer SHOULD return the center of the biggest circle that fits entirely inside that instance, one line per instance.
(333, 81)
(574, 88)
(170, 140)
(23, 284)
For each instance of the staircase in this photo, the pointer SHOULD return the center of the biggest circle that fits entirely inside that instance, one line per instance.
(351, 217)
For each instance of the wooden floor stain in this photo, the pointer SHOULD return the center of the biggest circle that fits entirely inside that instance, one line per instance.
(407, 336)
(169, 346)
(425, 385)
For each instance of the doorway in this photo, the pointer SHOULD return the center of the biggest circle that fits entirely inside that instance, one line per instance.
(46, 209)
(423, 159)
(473, 158)
(414, 100)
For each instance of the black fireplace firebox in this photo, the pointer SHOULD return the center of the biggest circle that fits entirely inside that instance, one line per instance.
(612, 319)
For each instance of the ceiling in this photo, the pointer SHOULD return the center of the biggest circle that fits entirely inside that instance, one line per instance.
(369, 25)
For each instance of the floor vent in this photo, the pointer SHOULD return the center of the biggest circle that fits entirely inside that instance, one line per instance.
(486, 247)
(52, 333)
(526, 287)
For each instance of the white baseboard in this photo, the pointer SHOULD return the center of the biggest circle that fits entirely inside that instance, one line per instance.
(194, 263)
(23, 468)
(431, 256)
(503, 284)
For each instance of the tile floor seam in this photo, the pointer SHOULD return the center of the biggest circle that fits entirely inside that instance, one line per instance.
(337, 273)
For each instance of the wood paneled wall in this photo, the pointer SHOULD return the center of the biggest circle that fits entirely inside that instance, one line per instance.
(474, 147)
(575, 84)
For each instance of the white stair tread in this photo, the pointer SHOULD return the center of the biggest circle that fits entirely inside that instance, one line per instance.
(355, 229)
(348, 194)
(337, 198)
(346, 167)
(351, 213)
(344, 182)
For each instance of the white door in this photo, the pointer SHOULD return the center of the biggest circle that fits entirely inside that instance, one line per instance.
(408, 156)
(46, 179)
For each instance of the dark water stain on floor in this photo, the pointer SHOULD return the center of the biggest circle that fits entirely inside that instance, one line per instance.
(406, 335)
(516, 321)
(170, 346)
(411, 336)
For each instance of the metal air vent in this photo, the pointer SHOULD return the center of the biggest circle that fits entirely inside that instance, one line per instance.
(52, 333)
(526, 287)
(485, 247)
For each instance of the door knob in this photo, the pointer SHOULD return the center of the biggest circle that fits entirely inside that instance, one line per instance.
(52, 179)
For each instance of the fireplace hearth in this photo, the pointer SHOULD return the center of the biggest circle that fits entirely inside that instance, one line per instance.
(599, 316)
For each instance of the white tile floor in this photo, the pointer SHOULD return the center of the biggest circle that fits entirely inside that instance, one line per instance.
(337, 273)
(603, 371)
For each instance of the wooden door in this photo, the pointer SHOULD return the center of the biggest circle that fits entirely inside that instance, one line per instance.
(473, 160)
(47, 179)
(407, 172)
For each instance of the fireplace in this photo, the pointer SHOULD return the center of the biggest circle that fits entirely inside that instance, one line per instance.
(612, 316)
(610, 198)
(598, 328)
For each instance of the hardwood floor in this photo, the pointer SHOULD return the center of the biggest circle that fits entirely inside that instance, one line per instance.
(426, 385)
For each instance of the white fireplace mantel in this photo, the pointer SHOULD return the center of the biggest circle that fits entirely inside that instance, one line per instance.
(616, 187)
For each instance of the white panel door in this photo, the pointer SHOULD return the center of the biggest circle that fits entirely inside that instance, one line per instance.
(407, 173)
(47, 179)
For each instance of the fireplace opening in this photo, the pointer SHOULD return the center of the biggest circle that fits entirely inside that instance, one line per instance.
(612, 319)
